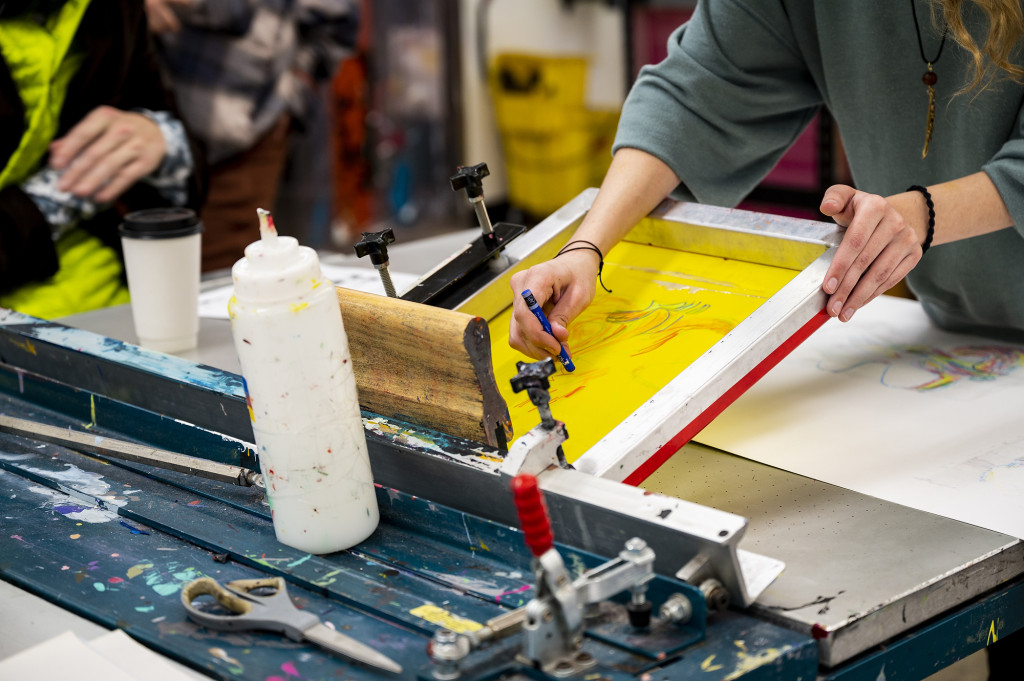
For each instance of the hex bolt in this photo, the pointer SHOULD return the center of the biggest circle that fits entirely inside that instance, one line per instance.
(446, 650)
(636, 545)
(677, 609)
(638, 608)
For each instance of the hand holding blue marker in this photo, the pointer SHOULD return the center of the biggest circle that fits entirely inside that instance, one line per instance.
(535, 308)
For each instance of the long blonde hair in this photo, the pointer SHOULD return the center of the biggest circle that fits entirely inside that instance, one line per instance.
(1005, 28)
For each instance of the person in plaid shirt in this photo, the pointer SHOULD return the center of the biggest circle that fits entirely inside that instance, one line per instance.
(243, 73)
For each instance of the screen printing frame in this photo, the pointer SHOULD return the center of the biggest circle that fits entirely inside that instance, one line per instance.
(644, 440)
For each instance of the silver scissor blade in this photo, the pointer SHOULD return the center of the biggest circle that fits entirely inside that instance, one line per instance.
(349, 647)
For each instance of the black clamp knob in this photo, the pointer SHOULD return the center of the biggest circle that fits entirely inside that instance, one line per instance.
(533, 376)
(470, 178)
(639, 614)
(375, 244)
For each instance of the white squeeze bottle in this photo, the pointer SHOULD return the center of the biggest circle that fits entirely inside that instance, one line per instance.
(302, 397)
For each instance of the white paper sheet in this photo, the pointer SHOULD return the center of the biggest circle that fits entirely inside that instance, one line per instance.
(131, 656)
(111, 657)
(214, 302)
(890, 406)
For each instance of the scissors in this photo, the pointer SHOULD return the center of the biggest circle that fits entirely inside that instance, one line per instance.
(274, 612)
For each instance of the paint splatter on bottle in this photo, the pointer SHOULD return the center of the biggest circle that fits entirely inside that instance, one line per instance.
(301, 392)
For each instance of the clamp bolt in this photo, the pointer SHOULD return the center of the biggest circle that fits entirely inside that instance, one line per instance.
(471, 178)
(677, 609)
(375, 245)
(447, 649)
(715, 594)
(636, 545)
(533, 378)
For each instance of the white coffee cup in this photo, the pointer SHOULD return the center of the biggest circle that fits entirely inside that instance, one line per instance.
(162, 259)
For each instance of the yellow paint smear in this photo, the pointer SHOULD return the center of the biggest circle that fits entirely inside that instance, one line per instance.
(746, 662)
(26, 345)
(666, 309)
(448, 620)
(137, 569)
(92, 413)
(992, 635)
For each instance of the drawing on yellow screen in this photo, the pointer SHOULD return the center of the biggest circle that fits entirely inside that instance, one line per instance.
(667, 308)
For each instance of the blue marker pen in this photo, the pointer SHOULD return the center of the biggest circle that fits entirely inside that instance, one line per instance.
(539, 314)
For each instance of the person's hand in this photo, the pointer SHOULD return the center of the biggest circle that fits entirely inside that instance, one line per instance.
(563, 286)
(106, 153)
(161, 16)
(879, 248)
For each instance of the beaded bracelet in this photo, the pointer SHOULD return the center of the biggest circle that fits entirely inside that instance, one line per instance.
(931, 216)
(588, 247)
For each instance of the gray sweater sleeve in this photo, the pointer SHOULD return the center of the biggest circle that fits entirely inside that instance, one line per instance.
(732, 95)
(1006, 169)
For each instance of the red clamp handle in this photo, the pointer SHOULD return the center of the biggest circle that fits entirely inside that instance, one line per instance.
(533, 515)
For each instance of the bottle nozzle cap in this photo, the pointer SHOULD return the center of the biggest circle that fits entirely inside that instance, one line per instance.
(268, 232)
(271, 251)
(275, 267)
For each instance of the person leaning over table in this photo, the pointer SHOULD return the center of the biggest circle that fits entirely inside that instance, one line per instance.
(744, 77)
(87, 133)
(740, 82)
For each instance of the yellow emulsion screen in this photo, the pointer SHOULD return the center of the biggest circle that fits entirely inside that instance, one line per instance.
(666, 308)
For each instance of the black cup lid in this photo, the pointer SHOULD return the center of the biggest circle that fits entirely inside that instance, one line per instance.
(161, 223)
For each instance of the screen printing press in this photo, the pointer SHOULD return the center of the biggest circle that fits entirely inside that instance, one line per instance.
(743, 572)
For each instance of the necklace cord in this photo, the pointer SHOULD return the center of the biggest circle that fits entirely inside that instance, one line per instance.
(920, 44)
(929, 78)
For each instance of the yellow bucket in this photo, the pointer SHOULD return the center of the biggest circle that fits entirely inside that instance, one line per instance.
(554, 146)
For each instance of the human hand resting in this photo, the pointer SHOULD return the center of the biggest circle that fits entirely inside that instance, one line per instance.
(563, 286)
(161, 16)
(106, 153)
(879, 248)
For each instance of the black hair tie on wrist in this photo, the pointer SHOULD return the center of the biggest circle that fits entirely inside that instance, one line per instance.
(587, 247)
(931, 216)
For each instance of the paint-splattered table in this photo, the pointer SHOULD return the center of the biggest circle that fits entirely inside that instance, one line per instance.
(931, 590)
(115, 543)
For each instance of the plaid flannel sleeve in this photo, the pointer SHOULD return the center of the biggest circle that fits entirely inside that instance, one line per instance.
(171, 177)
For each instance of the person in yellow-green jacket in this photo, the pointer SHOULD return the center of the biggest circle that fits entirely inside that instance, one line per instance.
(88, 132)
